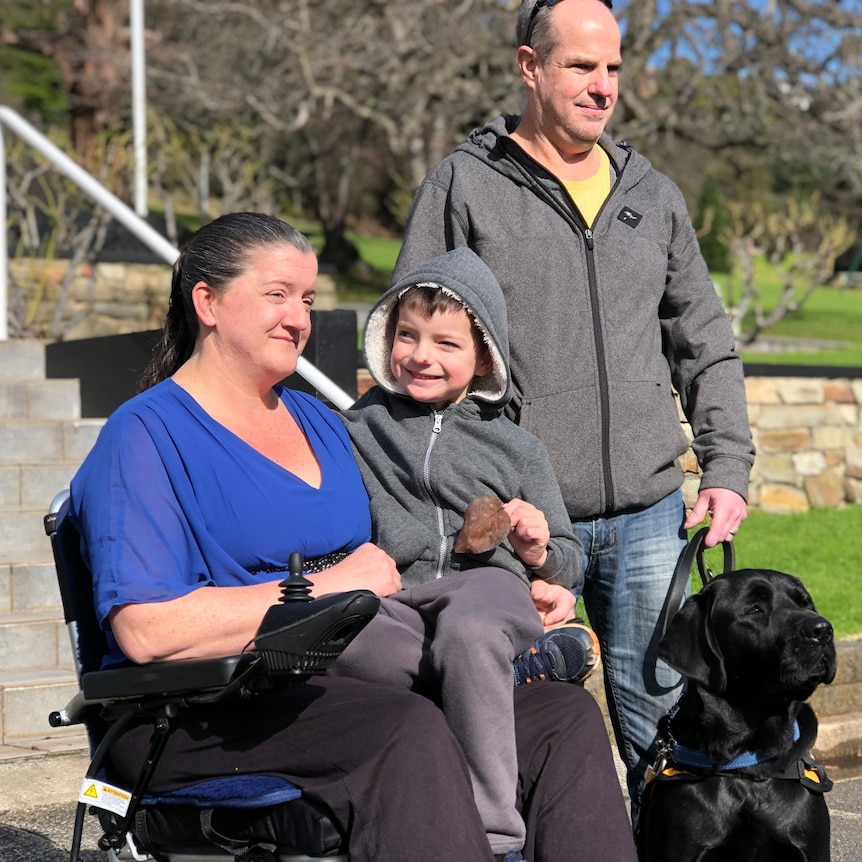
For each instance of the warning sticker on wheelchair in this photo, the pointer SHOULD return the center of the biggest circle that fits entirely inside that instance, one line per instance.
(105, 796)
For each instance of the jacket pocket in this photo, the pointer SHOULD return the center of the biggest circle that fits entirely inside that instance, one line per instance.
(646, 441)
(567, 422)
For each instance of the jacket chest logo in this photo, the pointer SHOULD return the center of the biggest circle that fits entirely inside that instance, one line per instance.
(629, 217)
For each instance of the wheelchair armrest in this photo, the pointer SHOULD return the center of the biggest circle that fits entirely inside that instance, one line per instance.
(164, 677)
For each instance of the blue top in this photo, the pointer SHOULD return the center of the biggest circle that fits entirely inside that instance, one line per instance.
(169, 500)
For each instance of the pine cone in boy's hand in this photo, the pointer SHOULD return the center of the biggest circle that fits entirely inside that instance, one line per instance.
(486, 524)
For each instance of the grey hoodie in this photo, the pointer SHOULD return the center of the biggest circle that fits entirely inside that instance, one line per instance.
(604, 322)
(422, 467)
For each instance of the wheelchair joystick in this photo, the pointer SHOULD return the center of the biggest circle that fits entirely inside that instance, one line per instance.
(295, 587)
(301, 635)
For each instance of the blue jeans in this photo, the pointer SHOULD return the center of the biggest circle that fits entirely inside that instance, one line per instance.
(629, 561)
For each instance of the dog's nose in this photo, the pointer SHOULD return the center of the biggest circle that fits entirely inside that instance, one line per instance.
(818, 629)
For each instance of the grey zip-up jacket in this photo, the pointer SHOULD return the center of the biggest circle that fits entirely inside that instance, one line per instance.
(422, 467)
(603, 322)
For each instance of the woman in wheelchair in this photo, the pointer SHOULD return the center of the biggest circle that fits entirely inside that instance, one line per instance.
(189, 506)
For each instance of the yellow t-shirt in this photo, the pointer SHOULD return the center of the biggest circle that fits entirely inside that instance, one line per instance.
(589, 195)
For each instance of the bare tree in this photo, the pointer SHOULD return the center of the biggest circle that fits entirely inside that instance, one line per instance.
(801, 243)
(346, 87)
(344, 105)
(780, 79)
(50, 218)
(90, 45)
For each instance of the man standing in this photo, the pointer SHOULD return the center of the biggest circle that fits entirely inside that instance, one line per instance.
(610, 307)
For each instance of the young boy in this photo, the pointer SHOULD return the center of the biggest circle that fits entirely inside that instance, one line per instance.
(430, 438)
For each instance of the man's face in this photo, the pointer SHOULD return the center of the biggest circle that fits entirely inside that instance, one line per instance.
(574, 89)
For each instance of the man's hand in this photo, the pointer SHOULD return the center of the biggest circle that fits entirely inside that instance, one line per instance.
(727, 510)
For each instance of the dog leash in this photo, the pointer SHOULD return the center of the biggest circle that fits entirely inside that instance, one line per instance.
(693, 554)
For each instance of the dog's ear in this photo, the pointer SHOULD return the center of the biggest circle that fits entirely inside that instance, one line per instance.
(690, 645)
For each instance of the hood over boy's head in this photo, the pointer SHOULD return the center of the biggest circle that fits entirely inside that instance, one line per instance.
(464, 277)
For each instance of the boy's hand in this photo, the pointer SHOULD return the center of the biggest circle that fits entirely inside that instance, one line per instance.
(554, 603)
(529, 534)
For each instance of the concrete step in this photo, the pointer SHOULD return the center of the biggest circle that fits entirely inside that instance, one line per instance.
(45, 441)
(22, 360)
(844, 695)
(35, 641)
(40, 399)
(33, 486)
(22, 536)
(26, 699)
(26, 588)
(23, 749)
(839, 740)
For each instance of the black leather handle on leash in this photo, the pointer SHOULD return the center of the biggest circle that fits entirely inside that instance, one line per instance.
(693, 554)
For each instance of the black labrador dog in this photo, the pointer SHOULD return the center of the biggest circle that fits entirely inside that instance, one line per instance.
(735, 780)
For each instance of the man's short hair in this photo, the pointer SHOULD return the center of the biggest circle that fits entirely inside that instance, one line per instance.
(531, 28)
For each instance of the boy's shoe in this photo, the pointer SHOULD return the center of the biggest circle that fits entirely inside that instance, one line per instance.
(569, 653)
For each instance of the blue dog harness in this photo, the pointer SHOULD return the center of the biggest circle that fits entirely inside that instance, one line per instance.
(677, 762)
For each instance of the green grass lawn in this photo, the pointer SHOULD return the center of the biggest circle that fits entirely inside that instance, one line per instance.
(823, 548)
(377, 251)
(831, 314)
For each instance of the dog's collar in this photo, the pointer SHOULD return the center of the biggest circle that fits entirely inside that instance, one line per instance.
(692, 758)
(681, 755)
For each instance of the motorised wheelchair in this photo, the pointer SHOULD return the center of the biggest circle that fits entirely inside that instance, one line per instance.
(253, 818)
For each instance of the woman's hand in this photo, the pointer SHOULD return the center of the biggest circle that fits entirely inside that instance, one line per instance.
(554, 603)
(367, 568)
(530, 534)
(217, 621)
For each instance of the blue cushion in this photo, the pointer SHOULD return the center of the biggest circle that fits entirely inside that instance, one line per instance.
(233, 791)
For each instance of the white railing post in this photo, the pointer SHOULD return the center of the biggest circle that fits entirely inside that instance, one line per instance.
(123, 214)
(139, 104)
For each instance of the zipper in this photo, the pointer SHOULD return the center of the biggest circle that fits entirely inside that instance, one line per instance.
(602, 370)
(572, 215)
(426, 480)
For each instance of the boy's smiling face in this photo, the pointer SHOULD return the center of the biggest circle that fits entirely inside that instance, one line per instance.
(434, 359)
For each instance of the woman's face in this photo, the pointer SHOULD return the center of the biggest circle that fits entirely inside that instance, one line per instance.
(261, 321)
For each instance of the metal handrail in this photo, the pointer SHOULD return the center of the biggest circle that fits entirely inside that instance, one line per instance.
(122, 213)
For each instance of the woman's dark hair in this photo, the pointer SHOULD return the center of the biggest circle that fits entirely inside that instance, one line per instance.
(216, 255)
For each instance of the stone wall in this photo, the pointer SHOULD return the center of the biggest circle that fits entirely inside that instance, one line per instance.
(113, 299)
(808, 434)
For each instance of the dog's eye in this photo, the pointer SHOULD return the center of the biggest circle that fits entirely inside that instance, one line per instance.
(754, 609)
